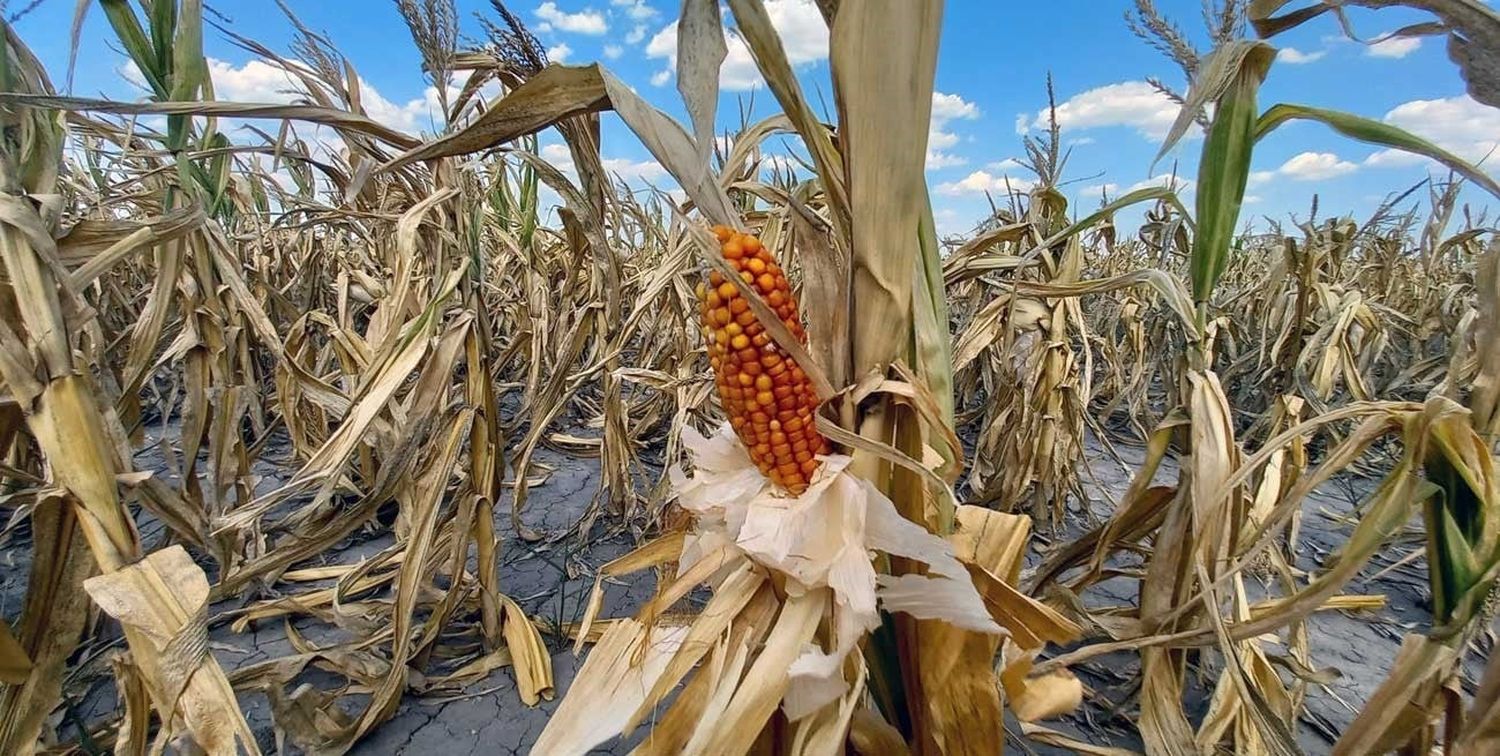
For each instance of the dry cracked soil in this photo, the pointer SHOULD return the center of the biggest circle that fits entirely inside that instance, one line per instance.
(551, 579)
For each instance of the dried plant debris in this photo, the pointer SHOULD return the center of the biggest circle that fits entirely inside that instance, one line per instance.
(321, 433)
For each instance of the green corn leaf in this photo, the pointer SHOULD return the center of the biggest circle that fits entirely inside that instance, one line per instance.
(528, 201)
(187, 66)
(218, 172)
(1147, 194)
(1453, 564)
(931, 344)
(163, 21)
(1220, 71)
(1224, 170)
(128, 30)
(1373, 132)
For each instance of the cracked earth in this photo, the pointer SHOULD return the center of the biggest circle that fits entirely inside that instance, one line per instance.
(551, 581)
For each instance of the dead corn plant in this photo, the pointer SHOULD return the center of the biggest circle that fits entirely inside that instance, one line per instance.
(334, 332)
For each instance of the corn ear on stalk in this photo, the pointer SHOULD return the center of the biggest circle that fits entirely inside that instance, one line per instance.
(770, 401)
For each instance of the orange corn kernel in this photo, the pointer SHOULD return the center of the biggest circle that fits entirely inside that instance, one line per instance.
(769, 398)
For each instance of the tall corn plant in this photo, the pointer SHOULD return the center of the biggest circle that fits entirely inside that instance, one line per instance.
(1018, 353)
(1206, 529)
(878, 356)
(160, 599)
(1451, 445)
(404, 446)
(165, 44)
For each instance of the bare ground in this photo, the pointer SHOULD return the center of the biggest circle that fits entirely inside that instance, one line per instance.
(551, 581)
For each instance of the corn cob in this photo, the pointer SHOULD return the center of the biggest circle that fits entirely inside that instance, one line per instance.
(769, 399)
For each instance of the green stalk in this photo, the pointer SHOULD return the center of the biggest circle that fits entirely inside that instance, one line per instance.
(1223, 172)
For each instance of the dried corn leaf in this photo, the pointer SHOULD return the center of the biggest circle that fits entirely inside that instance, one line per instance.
(610, 686)
(1405, 702)
(162, 601)
(15, 665)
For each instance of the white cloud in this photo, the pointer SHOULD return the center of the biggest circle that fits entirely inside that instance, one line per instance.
(1296, 57)
(660, 78)
(1023, 123)
(1394, 47)
(1251, 199)
(558, 156)
(636, 35)
(1394, 158)
(769, 161)
(586, 21)
(1100, 190)
(132, 73)
(559, 52)
(633, 171)
(939, 160)
(939, 139)
(259, 81)
(613, 51)
(1457, 124)
(1307, 166)
(255, 81)
(937, 157)
(949, 222)
(1008, 164)
(630, 171)
(1176, 183)
(636, 9)
(945, 108)
(1314, 166)
(786, 165)
(803, 34)
(979, 182)
(1129, 103)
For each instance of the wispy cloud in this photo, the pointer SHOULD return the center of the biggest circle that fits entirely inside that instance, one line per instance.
(946, 108)
(1175, 183)
(1296, 57)
(586, 21)
(1457, 124)
(636, 9)
(1394, 47)
(804, 36)
(1100, 190)
(1307, 166)
(980, 182)
(1134, 104)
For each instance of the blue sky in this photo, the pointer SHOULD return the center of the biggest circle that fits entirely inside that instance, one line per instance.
(992, 70)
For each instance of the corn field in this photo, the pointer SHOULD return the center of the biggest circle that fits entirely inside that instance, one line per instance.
(278, 418)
